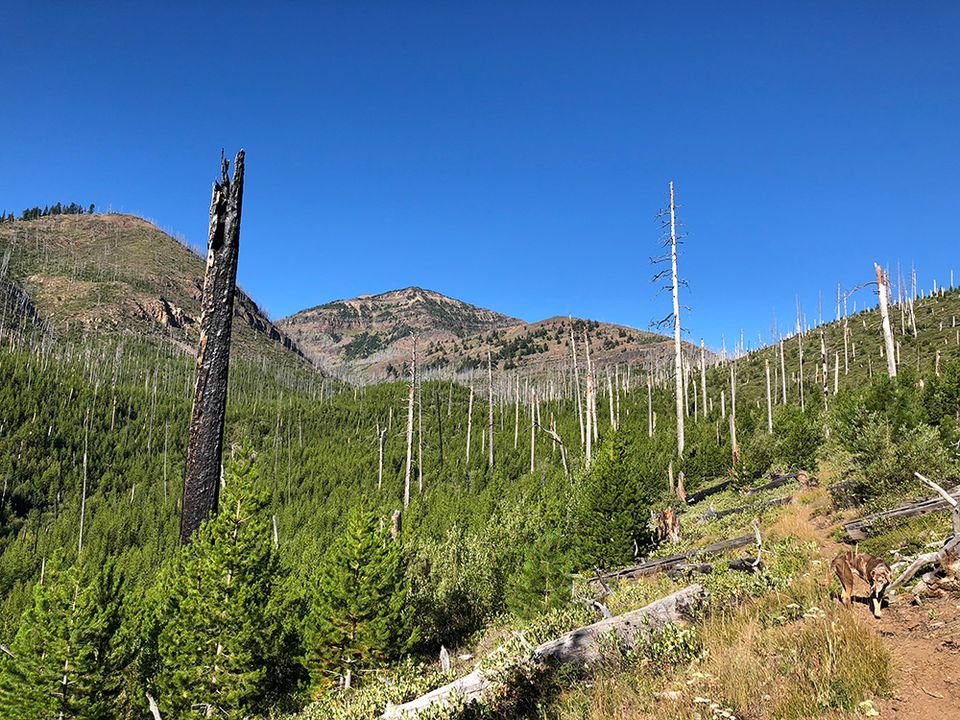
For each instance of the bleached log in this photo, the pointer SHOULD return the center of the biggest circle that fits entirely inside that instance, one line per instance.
(581, 646)
(860, 528)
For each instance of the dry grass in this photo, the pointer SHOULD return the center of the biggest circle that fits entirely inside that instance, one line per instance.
(789, 656)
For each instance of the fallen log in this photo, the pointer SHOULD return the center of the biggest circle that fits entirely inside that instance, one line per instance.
(712, 514)
(946, 556)
(778, 481)
(860, 528)
(583, 645)
(651, 567)
(694, 498)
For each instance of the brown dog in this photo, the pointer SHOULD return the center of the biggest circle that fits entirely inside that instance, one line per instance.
(874, 571)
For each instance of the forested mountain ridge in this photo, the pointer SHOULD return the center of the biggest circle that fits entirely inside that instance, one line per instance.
(370, 338)
(112, 273)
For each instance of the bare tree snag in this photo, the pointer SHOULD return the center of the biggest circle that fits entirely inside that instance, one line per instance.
(677, 348)
(884, 290)
(201, 484)
(783, 373)
(516, 413)
(703, 375)
(490, 403)
(766, 365)
(410, 400)
(649, 406)
(381, 439)
(469, 427)
(533, 429)
(576, 381)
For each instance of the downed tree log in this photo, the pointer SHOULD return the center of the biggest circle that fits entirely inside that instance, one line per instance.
(712, 514)
(651, 567)
(860, 528)
(946, 556)
(694, 498)
(779, 481)
(583, 645)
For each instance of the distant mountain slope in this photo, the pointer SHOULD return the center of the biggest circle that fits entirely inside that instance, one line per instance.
(120, 274)
(370, 338)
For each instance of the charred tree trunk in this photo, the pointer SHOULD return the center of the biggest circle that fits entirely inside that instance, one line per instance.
(201, 484)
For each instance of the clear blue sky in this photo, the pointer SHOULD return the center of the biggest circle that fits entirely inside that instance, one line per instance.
(513, 154)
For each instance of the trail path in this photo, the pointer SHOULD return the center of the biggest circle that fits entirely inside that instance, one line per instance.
(924, 641)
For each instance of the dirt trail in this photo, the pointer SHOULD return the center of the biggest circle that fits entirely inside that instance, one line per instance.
(924, 641)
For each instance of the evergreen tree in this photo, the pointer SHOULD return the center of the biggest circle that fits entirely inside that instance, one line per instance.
(68, 656)
(543, 581)
(622, 485)
(219, 633)
(361, 617)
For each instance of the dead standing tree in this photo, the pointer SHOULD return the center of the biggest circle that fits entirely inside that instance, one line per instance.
(201, 484)
(884, 290)
(670, 237)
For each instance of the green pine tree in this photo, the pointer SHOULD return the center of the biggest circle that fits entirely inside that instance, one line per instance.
(69, 655)
(219, 633)
(543, 581)
(361, 617)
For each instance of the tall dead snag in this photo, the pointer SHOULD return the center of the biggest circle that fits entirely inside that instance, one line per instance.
(469, 428)
(410, 400)
(766, 366)
(885, 320)
(201, 483)
(703, 375)
(576, 381)
(490, 407)
(673, 240)
(381, 439)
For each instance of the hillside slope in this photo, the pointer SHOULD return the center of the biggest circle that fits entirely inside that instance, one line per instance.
(370, 338)
(111, 273)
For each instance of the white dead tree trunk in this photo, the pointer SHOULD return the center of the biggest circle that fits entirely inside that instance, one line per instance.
(885, 320)
(381, 441)
(469, 426)
(734, 447)
(83, 492)
(490, 403)
(703, 375)
(533, 428)
(516, 416)
(589, 428)
(766, 365)
(410, 402)
(576, 381)
(591, 390)
(783, 373)
(670, 238)
(649, 406)
(677, 348)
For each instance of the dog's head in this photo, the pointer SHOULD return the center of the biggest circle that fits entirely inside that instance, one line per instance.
(880, 578)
